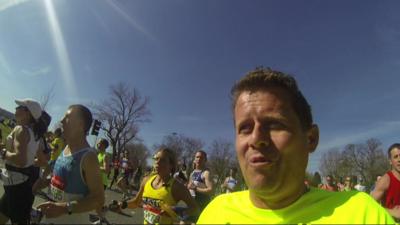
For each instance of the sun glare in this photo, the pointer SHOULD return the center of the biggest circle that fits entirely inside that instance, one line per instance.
(61, 50)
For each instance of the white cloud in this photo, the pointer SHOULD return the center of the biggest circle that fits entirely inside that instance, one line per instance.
(38, 72)
(6, 4)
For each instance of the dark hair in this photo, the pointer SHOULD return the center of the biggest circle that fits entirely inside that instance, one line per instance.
(58, 132)
(40, 125)
(86, 116)
(262, 79)
(393, 146)
(202, 152)
(104, 142)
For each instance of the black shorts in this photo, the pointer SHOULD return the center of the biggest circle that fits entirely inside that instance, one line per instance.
(16, 202)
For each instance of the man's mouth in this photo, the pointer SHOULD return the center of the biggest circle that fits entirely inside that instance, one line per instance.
(261, 160)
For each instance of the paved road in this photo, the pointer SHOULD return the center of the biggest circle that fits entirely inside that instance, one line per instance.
(133, 216)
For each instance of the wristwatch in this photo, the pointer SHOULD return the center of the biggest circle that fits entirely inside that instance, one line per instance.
(69, 208)
(3, 153)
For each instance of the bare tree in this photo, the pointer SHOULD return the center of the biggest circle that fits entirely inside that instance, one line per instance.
(220, 159)
(190, 146)
(365, 160)
(138, 154)
(331, 163)
(46, 98)
(184, 146)
(121, 115)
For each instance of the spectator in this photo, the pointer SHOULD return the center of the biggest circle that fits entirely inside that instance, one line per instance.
(329, 184)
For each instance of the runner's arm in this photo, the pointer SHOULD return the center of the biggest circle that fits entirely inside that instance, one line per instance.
(381, 187)
(42, 182)
(95, 198)
(135, 202)
(41, 157)
(209, 185)
(21, 140)
(181, 193)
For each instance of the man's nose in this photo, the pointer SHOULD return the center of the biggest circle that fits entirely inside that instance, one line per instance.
(260, 137)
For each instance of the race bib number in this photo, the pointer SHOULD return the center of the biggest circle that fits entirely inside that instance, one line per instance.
(150, 217)
(58, 194)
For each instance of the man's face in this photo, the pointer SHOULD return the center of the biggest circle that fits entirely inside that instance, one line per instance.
(329, 180)
(395, 159)
(347, 181)
(72, 123)
(199, 159)
(271, 146)
(100, 146)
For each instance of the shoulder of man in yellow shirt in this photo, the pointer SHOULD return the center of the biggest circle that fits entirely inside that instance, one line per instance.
(316, 206)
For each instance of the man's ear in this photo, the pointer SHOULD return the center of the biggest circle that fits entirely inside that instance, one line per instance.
(312, 138)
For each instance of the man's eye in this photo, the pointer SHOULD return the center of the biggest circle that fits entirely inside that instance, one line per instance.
(276, 126)
(244, 129)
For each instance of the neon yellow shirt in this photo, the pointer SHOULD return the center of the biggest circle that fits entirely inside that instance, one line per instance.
(152, 201)
(314, 207)
(57, 145)
(101, 157)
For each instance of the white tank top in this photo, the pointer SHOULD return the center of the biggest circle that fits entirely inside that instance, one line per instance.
(31, 149)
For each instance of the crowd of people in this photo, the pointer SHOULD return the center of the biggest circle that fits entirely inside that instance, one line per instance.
(350, 183)
(274, 132)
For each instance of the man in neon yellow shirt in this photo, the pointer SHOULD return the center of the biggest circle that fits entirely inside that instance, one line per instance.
(275, 134)
(57, 145)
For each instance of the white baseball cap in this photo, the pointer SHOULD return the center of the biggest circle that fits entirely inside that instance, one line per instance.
(32, 105)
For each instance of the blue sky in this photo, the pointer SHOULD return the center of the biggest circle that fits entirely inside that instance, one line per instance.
(185, 55)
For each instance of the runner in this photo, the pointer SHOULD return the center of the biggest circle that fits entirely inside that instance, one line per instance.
(200, 184)
(387, 189)
(230, 183)
(76, 181)
(22, 146)
(126, 172)
(180, 175)
(159, 192)
(57, 145)
(104, 163)
(115, 165)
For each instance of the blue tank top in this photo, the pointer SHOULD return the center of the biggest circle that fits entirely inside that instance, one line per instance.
(67, 183)
(201, 199)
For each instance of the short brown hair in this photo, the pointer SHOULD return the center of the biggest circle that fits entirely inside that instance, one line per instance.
(86, 116)
(262, 79)
(393, 146)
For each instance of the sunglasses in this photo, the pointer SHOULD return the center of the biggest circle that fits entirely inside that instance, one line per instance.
(22, 107)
